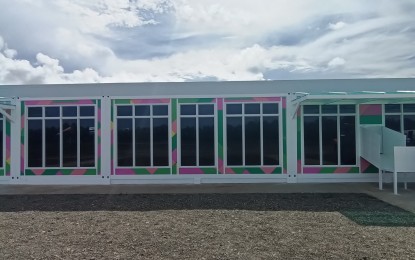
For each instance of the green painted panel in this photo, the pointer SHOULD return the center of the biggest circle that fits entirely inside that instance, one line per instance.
(370, 120)
(196, 100)
(122, 101)
(209, 170)
(1, 172)
(354, 170)
(163, 171)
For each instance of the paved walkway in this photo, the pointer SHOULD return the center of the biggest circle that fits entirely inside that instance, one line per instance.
(405, 200)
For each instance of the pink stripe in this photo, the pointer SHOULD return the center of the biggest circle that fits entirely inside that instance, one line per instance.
(22, 158)
(342, 170)
(37, 102)
(174, 127)
(246, 172)
(258, 99)
(229, 170)
(174, 156)
(268, 170)
(38, 171)
(220, 103)
(370, 110)
(150, 101)
(311, 170)
(284, 103)
(78, 172)
(190, 171)
(299, 166)
(221, 165)
(124, 172)
(363, 164)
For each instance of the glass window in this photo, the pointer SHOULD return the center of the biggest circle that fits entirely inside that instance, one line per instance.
(125, 141)
(233, 109)
(52, 142)
(311, 109)
(347, 109)
(206, 109)
(62, 138)
(142, 110)
(197, 137)
(253, 137)
(35, 143)
(392, 108)
(35, 111)
(142, 142)
(252, 108)
(143, 139)
(52, 111)
(400, 117)
(188, 109)
(87, 142)
(124, 111)
(160, 141)
(329, 137)
(311, 140)
(87, 110)
(234, 140)
(329, 109)
(270, 108)
(160, 110)
(69, 111)
(1, 141)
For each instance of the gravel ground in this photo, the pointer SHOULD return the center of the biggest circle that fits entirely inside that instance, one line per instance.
(204, 226)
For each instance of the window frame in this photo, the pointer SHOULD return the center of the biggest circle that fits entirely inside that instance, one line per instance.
(133, 117)
(401, 115)
(337, 115)
(3, 137)
(261, 115)
(43, 118)
(197, 116)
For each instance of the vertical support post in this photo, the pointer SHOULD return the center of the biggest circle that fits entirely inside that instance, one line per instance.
(106, 156)
(380, 179)
(291, 124)
(395, 182)
(15, 137)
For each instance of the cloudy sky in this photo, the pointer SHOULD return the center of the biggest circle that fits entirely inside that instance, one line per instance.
(73, 41)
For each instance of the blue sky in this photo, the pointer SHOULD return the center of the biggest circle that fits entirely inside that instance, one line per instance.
(80, 41)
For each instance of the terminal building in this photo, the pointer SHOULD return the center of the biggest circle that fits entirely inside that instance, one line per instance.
(205, 132)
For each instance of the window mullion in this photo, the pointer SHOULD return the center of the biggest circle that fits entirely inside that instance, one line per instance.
(320, 137)
(338, 140)
(43, 141)
(243, 139)
(78, 143)
(151, 141)
(133, 138)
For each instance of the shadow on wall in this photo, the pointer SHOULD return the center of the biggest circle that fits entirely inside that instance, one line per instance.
(360, 208)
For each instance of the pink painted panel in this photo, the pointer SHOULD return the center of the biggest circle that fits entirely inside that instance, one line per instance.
(370, 110)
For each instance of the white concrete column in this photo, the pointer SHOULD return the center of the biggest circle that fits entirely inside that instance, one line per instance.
(106, 138)
(15, 148)
(291, 139)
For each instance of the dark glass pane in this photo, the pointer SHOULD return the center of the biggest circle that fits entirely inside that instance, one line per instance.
(252, 109)
(35, 143)
(347, 109)
(408, 107)
(392, 108)
(271, 141)
(207, 109)
(347, 140)
(409, 128)
(329, 140)
(311, 140)
(252, 141)
(87, 110)
(142, 110)
(125, 142)
(329, 109)
(142, 142)
(188, 141)
(1, 115)
(34, 112)
(124, 111)
(188, 109)
(232, 109)
(52, 111)
(270, 108)
(69, 142)
(160, 110)
(87, 142)
(52, 143)
(1, 143)
(69, 111)
(206, 141)
(311, 109)
(161, 142)
(393, 122)
(234, 140)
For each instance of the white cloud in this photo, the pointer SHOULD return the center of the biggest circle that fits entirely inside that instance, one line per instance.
(81, 41)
